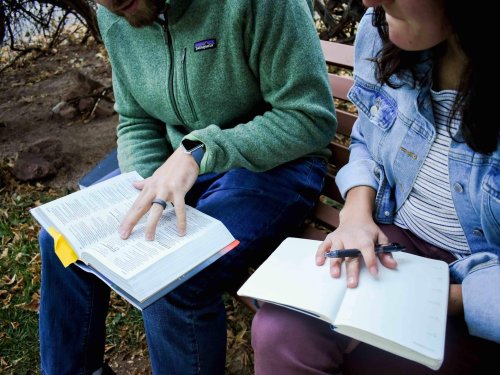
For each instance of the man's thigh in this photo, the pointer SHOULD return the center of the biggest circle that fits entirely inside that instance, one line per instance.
(260, 210)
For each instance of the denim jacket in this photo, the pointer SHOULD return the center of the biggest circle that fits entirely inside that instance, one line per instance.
(390, 140)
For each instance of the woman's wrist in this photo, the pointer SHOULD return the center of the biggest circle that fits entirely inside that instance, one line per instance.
(359, 204)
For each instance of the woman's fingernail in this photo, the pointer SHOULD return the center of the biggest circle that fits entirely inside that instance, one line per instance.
(374, 271)
(350, 281)
(335, 271)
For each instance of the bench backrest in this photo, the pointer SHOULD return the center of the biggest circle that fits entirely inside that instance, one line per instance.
(326, 213)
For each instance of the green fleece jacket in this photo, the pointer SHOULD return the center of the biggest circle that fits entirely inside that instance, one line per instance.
(245, 77)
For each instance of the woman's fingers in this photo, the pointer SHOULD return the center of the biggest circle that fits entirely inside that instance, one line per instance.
(386, 258)
(352, 271)
(330, 243)
(325, 246)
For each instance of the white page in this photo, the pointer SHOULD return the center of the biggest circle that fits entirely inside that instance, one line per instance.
(80, 215)
(407, 305)
(130, 257)
(291, 277)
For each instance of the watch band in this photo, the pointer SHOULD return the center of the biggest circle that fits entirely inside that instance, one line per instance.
(198, 155)
(195, 148)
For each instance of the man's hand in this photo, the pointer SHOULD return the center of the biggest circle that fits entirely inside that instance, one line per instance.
(170, 182)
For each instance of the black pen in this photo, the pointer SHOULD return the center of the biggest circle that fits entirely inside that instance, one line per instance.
(380, 248)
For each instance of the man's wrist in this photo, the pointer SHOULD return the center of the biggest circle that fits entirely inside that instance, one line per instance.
(195, 148)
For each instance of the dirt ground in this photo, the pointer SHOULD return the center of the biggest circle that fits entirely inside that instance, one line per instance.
(30, 91)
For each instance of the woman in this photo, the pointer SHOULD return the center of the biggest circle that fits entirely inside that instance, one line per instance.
(424, 171)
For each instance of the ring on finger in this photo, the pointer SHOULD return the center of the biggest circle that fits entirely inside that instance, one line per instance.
(159, 201)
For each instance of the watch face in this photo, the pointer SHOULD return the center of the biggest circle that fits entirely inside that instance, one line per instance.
(190, 145)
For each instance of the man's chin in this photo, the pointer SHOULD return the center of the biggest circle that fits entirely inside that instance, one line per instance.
(138, 23)
(145, 14)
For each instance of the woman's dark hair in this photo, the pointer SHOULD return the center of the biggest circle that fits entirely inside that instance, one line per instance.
(471, 103)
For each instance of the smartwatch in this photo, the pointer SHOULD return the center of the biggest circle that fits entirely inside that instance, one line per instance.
(195, 148)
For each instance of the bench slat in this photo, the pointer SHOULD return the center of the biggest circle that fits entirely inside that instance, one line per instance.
(313, 233)
(338, 54)
(340, 154)
(327, 214)
(340, 85)
(331, 190)
(345, 122)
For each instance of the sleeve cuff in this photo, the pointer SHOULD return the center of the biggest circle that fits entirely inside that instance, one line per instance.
(357, 173)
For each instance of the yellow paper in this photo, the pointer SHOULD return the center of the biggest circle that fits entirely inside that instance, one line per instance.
(64, 251)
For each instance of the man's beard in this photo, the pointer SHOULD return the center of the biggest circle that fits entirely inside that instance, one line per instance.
(146, 13)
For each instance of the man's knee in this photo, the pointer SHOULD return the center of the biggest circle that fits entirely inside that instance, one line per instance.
(46, 244)
(45, 239)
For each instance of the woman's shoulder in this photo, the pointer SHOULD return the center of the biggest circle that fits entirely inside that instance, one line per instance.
(366, 47)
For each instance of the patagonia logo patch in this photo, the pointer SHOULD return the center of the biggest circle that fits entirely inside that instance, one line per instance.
(203, 45)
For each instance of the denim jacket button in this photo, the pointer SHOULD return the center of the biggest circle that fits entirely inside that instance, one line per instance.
(387, 213)
(458, 188)
(478, 232)
(373, 110)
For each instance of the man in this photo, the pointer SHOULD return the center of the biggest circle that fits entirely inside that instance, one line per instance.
(224, 105)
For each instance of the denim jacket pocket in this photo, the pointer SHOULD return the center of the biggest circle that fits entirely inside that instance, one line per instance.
(491, 204)
(374, 103)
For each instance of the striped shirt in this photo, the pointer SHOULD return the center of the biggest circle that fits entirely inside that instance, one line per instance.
(429, 211)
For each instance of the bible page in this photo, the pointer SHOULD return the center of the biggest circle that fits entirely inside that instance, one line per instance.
(86, 216)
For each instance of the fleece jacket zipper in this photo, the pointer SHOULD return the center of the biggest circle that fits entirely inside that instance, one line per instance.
(168, 40)
(186, 87)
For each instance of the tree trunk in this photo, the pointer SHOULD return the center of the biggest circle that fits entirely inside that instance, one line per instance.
(2, 23)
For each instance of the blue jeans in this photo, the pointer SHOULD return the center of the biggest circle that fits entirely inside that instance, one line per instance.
(185, 330)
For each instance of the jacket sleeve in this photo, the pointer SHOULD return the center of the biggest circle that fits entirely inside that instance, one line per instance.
(361, 170)
(480, 278)
(284, 53)
(137, 132)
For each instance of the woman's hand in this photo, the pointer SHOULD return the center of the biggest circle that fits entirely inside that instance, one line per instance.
(170, 183)
(357, 230)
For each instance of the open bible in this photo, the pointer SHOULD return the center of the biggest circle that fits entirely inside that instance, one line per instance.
(84, 226)
(402, 311)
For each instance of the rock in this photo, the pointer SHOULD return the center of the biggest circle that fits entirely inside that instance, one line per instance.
(41, 159)
(81, 86)
(104, 108)
(65, 110)
(85, 104)
(82, 95)
(57, 108)
(69, 112)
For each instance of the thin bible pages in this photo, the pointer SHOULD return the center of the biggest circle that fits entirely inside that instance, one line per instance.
(85, 224)
(402, 311)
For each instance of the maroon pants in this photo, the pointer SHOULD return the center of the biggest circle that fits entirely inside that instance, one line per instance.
(287, 342)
